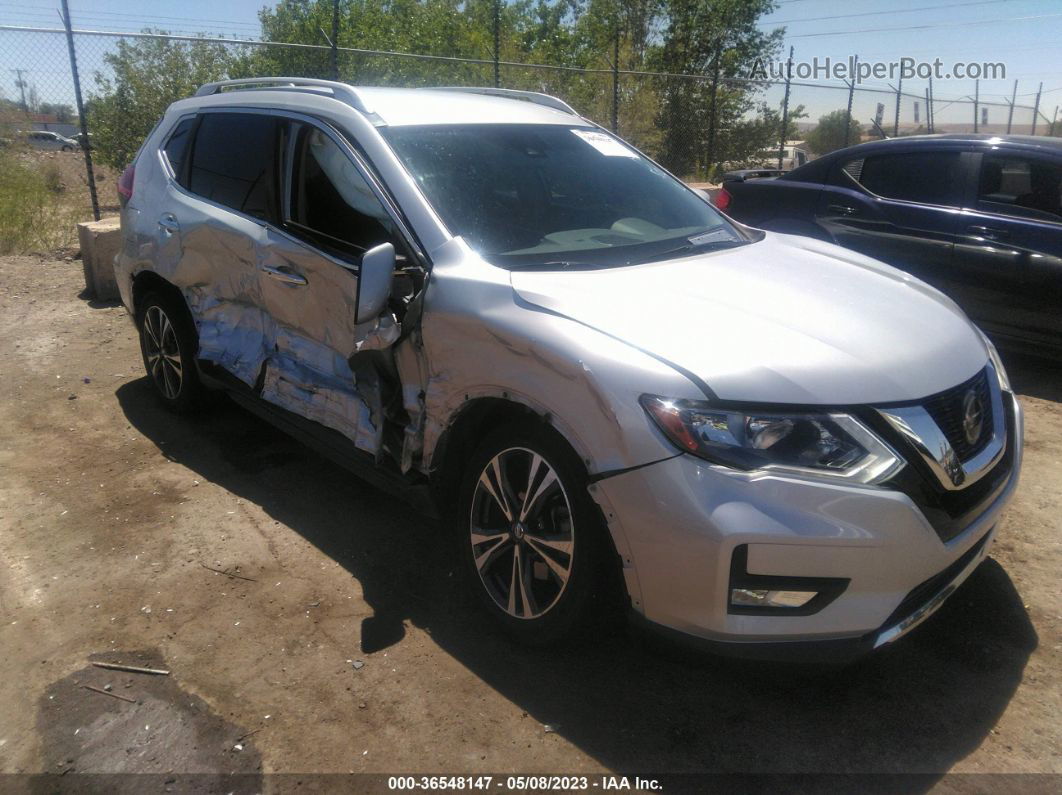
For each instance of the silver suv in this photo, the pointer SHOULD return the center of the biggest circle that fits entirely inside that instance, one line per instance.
(484, 302)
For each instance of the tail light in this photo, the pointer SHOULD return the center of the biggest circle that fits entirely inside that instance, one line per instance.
(125, 185)
(723, 199)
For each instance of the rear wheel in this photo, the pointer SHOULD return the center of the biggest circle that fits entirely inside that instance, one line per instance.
(168, 344)
(533, 542)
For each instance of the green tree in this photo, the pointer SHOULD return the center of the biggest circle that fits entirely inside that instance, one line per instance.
(829, 134)
(63, 113)
(146, 76)
(703, 120)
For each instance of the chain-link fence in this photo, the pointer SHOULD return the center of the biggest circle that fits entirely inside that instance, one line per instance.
(696, 125)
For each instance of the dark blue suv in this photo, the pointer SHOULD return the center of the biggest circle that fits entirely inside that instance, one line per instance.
(978, 216)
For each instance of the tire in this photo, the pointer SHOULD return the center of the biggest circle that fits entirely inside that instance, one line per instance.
(559, 555)
(67, 148)
(168, 344)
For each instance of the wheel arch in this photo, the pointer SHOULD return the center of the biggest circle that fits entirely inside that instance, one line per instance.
(146, 281)
(470, 425)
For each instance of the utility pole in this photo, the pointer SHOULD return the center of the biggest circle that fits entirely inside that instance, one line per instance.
(930, 121)
(1010, 113)
(22, 87)
(848, 115)
(1036, 108)
(896, 120)
(86, 144)
(977, 98)
(785, 108)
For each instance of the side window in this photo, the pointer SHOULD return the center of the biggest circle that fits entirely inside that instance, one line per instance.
(923, 177)
(331, 203)
(234, 162)
(1020, 186)
(177, 147)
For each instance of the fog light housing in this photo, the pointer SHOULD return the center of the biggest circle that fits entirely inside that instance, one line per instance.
(765, 594)
(767, 598)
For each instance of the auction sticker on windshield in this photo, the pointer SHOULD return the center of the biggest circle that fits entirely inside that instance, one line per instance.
(605, 144)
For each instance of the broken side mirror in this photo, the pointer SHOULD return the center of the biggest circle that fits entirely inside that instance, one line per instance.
(374, 282)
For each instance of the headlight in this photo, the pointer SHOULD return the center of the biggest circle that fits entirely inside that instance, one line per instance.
(832, 445)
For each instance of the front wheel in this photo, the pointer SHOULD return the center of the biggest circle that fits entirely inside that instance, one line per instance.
(534, 544)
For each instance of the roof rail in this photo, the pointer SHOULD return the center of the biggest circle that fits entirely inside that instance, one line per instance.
(527, 96)
(341, 91)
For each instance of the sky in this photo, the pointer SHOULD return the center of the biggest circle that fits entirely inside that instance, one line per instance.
(1026, 35)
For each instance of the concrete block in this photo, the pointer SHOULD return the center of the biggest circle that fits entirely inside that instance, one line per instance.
(100, 241)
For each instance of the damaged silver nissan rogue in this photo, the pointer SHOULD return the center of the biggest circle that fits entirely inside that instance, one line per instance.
(480, 300)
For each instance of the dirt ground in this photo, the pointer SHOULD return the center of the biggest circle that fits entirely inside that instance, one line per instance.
(338, 640)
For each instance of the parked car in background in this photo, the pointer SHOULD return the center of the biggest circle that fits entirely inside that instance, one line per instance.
(483, 301)
(978, 216)
(51, 141)
(792, 157)
(743, 174)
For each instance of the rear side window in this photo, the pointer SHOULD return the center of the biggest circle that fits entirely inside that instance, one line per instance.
(177, 147)
(923, 177)
(1021, 186)
(234, 162)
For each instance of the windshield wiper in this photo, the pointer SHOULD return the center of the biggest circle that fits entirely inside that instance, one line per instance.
(564, 264)
(714, 245)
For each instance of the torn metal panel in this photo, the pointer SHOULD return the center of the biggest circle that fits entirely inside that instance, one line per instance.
(412, 367)
(235, 336)
(330, 401)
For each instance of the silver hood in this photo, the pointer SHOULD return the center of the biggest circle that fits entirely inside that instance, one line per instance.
(784, 320)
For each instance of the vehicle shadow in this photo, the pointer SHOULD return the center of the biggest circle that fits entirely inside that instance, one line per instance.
(632, 705)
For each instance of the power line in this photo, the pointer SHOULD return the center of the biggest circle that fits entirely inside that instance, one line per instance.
(80, 14)
(879, 13)
(926, 26)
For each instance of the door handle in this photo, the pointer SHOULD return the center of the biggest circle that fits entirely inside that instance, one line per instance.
(842, 209)
(169, 224)
(285, 276)
(987, 232)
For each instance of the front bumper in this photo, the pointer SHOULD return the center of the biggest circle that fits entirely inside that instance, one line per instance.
(678, 522)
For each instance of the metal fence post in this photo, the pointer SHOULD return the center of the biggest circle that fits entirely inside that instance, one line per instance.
(497, 43)
(848, 114)
(615, 82)
(1010, 113)
(710, 155)
(896, 120)
(1036, 107)
(86, 143)
(785, 109)
(335, 39)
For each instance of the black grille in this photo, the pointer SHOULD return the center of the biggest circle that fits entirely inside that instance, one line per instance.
(931, 587)
(946, 409)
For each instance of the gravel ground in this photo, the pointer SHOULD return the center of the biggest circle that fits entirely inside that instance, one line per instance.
(338, 640)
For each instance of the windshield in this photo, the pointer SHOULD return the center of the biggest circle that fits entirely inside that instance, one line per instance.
(544, 196)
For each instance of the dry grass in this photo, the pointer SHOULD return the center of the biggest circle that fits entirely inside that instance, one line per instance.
(43, 195)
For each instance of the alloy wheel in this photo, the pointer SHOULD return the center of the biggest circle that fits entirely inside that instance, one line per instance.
(161, 352)
(522, 534)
